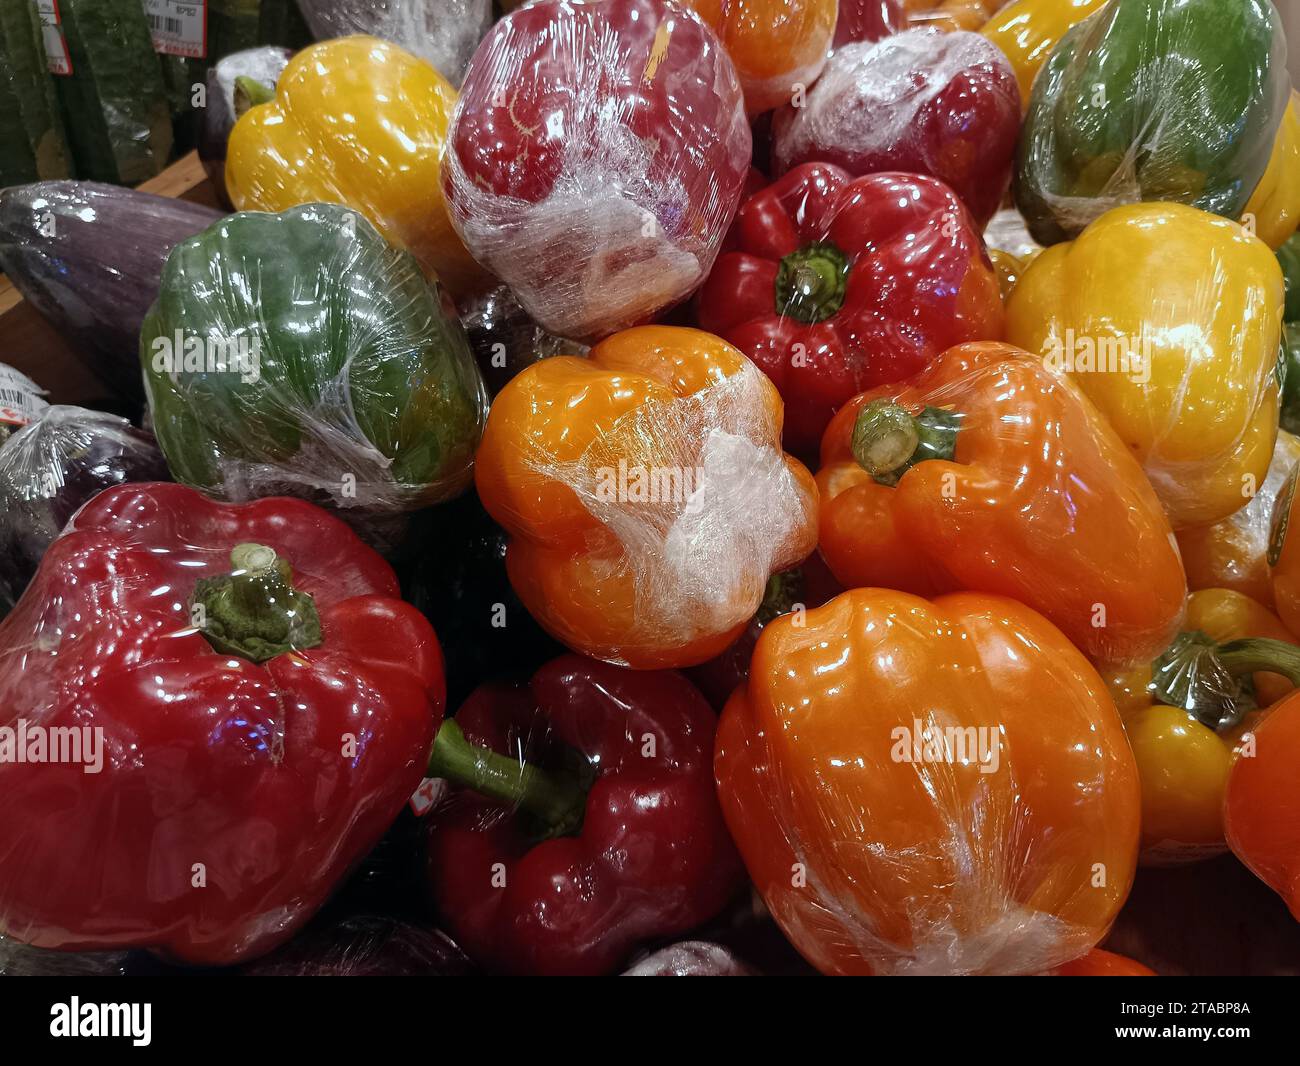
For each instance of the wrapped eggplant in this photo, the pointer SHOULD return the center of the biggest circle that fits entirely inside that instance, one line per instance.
(505, 339)
(363, 945)
(227, 100)
(444, 33)
(89, 257)
(51, 467)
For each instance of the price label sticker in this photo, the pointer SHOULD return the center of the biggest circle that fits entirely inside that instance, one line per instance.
(20, 398)
(179, 27)
(57, 57)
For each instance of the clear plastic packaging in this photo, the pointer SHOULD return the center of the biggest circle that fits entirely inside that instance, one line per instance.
(868, 20)
(302, 354)
(778, 46)
(21, 401)
(946, 105)
(208, 715)
(645, 518)
(504, 339)
(690, 958)
(364, 945)
(1152, 100)
(442, 32)
(224, 104)
(929, 787)
(987, 472)
(1169, 319)
(595, 159)
(88, 257)
(1233, 554)
(50, 468)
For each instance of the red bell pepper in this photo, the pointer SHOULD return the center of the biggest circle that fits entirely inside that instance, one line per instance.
(610, 835)
(264, 706)
(838, 284)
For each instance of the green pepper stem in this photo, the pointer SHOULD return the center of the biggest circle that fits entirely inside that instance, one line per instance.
(1259, 655)
(557, 803)
(811, 283)
(249, 92)
(254, 611)
(888, 440)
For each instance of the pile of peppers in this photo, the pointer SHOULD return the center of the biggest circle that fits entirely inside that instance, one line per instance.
(818, 473)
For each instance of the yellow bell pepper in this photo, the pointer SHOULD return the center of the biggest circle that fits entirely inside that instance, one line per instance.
(1028, 30)
(1274, 206)
(1170, 320)
(360, 122)
(1184, 756)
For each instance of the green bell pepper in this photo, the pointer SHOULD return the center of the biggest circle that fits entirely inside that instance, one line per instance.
(1176, 100)
(302, 354)
(1289, 257)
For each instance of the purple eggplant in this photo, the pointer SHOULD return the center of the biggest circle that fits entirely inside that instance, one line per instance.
(51, 467)
(224, 104)
(89, 258)
(441, 32)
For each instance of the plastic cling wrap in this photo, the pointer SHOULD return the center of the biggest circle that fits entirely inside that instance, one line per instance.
(209, 714)
(1233, 553)
(778, 46)
(505, 339)
(1169, 319)
(595, 159)
(646, 494)
(50, 468)
(361, 122)
(88, 257)
(984, 821)
(989, 472)
(302, 354)
(1171, 100)
(945, 105)
(441, 32)
(225, 105)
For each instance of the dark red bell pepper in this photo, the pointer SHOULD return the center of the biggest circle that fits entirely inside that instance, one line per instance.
(837, 284)
(608, 835)
(264, 705)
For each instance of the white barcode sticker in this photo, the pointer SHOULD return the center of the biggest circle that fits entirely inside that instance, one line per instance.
(20, 398)
(179, 27)
(57, 57)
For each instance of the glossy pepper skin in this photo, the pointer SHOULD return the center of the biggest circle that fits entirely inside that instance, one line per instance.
(1261, 810)
(1099, 963)
(1233, 553)
(1274, 207)
(209, 757)
(1169, 319)
(876, 858)
(1185, 713)
(361, 122)
(837, 284)
(939, 104)
(776, 45)
(652, 858)
(571, 449)
(988, 472)
(1028, 30)
(1171, 100)
(363, 389)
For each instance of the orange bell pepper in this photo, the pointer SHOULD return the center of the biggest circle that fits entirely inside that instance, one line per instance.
(1261, 810)
(988, 472)
(646, 494)
(778, 46)
(929, 787)
(1233, 553)
(1099, 963)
